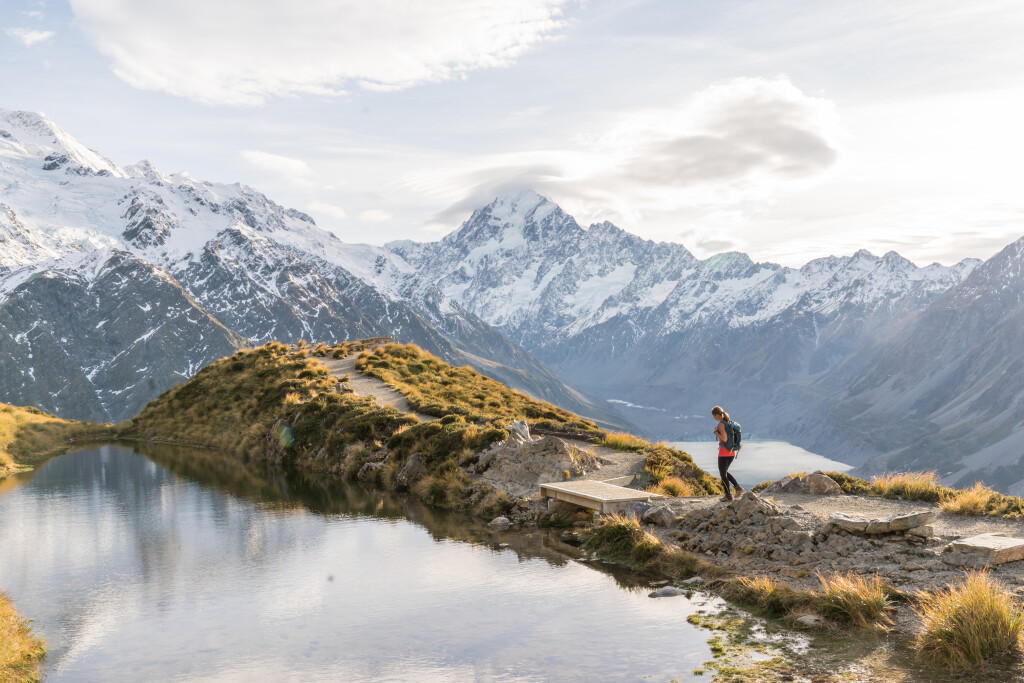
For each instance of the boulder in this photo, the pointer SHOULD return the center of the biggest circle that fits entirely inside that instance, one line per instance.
(661, 515)
(367, 469)
(520, 428)
(499, 523)
(666, 592)
(990, 548)
(822, 485)
(519, 467)
(411, 471)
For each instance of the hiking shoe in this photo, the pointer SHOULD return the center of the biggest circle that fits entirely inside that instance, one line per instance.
(725, 499)
(739, 489)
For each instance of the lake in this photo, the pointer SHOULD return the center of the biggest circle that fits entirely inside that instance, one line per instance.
(176, 565)
(760, 460)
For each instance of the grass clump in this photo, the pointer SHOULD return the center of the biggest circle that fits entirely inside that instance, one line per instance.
(674, 487)
(968, 623)
(663, 462)
(28, 434)
(622, 441)
(855, 600)
(622, 540)
(435, 388)
(767, 595)
(20, 650)
(909, 486)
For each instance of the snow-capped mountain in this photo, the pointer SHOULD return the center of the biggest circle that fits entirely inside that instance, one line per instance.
(831, 356)
(254, 268)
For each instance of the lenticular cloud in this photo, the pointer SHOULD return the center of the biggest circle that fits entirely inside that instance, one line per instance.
(243, 51)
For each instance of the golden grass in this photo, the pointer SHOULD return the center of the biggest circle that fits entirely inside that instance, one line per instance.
(767, 595)
(622, 441)
(853, 599)
(20, 650)
(675, 487)
(909, 486)
(968, 623)
(663, 462)
(435, 388)
(977, 500)
(27, 434)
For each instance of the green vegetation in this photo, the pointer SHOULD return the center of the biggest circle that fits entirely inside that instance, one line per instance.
(663, 462)
(769, 597)
(968, 623)
(20, 651)
(435, 388)
(854, 600)
(28, 434)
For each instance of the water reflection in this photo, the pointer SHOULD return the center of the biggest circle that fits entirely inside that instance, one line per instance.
(181, 565)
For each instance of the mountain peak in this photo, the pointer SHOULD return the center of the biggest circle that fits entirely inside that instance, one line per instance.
(38, 136)
(521, 203)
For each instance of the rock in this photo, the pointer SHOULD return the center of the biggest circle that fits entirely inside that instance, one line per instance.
(520, 428)
(666, 592)
(926, 531)
(518, 467)
(661, 515)
(694, 579)
(990, 548)
(367, 469)
(411, 471)
(636, 509)
(910, 520)
(822, 485)
(848, 522)
(499, 523)
(809, 620)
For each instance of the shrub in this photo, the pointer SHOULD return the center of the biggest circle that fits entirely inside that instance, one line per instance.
(849, 484)
(853, 599)
(965, 624)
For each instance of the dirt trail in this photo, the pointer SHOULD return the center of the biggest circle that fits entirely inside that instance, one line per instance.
(362, 385)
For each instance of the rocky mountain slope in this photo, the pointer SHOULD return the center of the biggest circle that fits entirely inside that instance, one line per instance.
(247, 268)
(834, 356)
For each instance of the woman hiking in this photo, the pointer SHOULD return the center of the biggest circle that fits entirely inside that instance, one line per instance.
(726, 451)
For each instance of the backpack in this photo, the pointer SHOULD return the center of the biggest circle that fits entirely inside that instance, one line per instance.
(733, 435)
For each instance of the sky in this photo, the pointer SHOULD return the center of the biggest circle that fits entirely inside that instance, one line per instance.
(786, 129)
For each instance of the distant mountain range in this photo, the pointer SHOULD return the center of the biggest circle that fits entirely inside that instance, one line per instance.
(117, 283)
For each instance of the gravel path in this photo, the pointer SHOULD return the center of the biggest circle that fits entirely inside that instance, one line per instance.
(362, 385)
(614, 464)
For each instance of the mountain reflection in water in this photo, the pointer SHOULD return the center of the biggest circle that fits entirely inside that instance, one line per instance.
(182, 564)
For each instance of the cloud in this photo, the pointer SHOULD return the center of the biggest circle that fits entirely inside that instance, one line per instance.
(241, 52)
(375, 216)
(275, 163)
(326, 209)
(29, 37)
(734, 143)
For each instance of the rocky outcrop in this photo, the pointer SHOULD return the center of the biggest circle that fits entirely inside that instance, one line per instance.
(818, 483)
(518, 466)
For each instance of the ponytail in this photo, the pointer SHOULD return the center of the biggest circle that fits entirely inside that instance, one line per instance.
(720, 413)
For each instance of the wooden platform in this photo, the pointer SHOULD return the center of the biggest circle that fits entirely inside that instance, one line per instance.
(596, 495)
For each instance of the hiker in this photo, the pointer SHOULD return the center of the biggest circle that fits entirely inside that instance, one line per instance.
(727, 449)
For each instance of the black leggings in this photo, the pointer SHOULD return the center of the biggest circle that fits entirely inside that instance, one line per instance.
(723, 469)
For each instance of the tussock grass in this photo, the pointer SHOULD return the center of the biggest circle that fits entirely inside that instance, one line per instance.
(909, 486)
(849, 484)
(767, 595)
(28, 434)
(621, 539)
(664, 462)
(855, 600)
(622, 441)
(675, 487)
(20, 650)
(968, 623)
(435, 388)
(977, 500)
